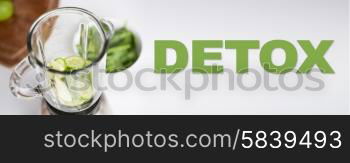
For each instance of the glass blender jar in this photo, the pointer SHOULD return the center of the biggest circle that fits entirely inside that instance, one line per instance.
(69, 66)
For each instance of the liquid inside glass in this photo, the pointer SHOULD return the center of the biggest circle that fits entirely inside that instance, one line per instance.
(74, 89)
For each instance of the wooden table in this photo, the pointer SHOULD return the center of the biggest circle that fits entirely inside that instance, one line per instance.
(13, 32)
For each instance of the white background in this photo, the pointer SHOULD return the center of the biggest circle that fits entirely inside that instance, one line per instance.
(187, 20)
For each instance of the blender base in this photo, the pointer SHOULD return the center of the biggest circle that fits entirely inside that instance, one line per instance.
(98, 108)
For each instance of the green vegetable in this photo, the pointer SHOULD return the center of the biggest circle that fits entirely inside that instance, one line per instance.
(75, 63)
(72, 89)
(58, 64)
(62, 91)
(69, 63)
(6, 10)
(121, 52)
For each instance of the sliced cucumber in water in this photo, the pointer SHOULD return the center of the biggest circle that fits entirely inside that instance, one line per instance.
(88, 62)
(86, 95)
(73, 92)
(58, 64)
(72, 89)
(75, 62)
(63, 94)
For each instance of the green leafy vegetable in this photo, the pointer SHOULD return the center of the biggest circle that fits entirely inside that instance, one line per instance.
(121, 52)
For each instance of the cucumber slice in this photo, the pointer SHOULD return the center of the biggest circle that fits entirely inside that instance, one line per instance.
(69, 97)
(76, 83)
(80, 87)
(75, 62)
(87, 62)
(86, 95)
(74, 89)
(58, 64)
(62, 91)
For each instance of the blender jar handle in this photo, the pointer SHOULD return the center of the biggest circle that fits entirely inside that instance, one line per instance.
(16, 78)
(108, 27)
